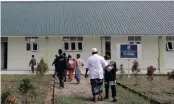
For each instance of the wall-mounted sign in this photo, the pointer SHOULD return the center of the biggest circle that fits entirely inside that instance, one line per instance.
(128, 51)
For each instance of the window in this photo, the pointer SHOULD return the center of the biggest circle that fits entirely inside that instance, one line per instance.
(169, 43)
(31, 43)
(134, 39)
(66, 46)
(73, 43)
(4, 39)
(79, 45)
(28, 46)
(73, 46)
(107, 38)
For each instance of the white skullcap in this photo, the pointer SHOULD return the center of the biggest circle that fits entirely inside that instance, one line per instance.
(94, 49)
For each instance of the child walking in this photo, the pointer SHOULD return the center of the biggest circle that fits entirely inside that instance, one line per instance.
(110, 78)
(79, 65)
(32, 63)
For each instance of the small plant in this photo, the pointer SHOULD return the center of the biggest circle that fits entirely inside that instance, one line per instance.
(7, 98)
(122, 72)
(150, 72)
(170, 75)
(42, 67)
(135, 70)
(27, 90)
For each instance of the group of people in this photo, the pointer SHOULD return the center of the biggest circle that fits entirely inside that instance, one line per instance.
(102, 71)
(68, 64)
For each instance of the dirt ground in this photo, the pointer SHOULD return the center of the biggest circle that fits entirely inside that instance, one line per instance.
(74, 93)
(162, 88)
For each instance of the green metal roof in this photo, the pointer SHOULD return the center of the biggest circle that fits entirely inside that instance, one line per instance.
(41, 18)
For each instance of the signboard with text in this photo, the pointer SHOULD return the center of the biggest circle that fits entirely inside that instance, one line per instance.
(128, 51)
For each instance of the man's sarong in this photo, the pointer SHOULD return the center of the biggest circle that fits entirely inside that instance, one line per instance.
(77, 73)
(97, 86)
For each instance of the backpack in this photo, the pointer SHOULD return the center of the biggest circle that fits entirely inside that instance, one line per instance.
(71, 64)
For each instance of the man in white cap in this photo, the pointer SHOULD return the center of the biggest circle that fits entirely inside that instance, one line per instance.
(95, 65)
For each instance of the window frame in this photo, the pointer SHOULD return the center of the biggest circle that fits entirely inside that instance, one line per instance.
(169, 39)
(76, 41)
(167, 46)
(132, 39)
(32, 41)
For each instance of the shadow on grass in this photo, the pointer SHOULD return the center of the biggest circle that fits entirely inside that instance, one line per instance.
(82, 98)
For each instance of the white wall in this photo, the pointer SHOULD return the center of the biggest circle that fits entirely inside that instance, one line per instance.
(18, 57)
(169, 60)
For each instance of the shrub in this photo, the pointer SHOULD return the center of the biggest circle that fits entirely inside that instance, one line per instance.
(150, 72)
(42, 67)
(170, 75)
(7, 98)
(122, 72)
(27, 90)
(135, 70)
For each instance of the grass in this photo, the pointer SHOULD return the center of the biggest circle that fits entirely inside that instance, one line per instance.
(13, 81)
(162, 88)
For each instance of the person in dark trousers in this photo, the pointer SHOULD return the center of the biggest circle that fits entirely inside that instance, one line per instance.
(110, 78)
(64, 54)
(61, 65)
(32, 63)
(54, 65)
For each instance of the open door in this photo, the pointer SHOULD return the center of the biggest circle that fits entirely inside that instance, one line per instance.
(4, 51)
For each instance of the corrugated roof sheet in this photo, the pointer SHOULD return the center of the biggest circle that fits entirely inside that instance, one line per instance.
(87, 18)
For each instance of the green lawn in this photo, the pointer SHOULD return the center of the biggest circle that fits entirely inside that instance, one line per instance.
(162, 88)
(71, 94)
(40, 83)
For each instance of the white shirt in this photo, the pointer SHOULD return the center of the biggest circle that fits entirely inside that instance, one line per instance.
(95, 65)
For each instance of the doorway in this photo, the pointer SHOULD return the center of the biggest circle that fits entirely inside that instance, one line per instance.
(4, 50)
(108, 46)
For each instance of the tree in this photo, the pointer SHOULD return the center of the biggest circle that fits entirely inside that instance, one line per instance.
(135, 70)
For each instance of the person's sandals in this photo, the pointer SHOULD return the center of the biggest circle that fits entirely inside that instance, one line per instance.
(100, 98)
(93, 99)
(115, 99)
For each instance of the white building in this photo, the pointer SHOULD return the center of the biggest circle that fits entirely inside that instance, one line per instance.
(41, 28)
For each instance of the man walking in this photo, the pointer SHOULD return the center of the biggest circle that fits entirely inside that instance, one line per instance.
(54, 65)
(32, 63)
(61, 65)
(65, 72)
(79, 64)
(95, 65)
